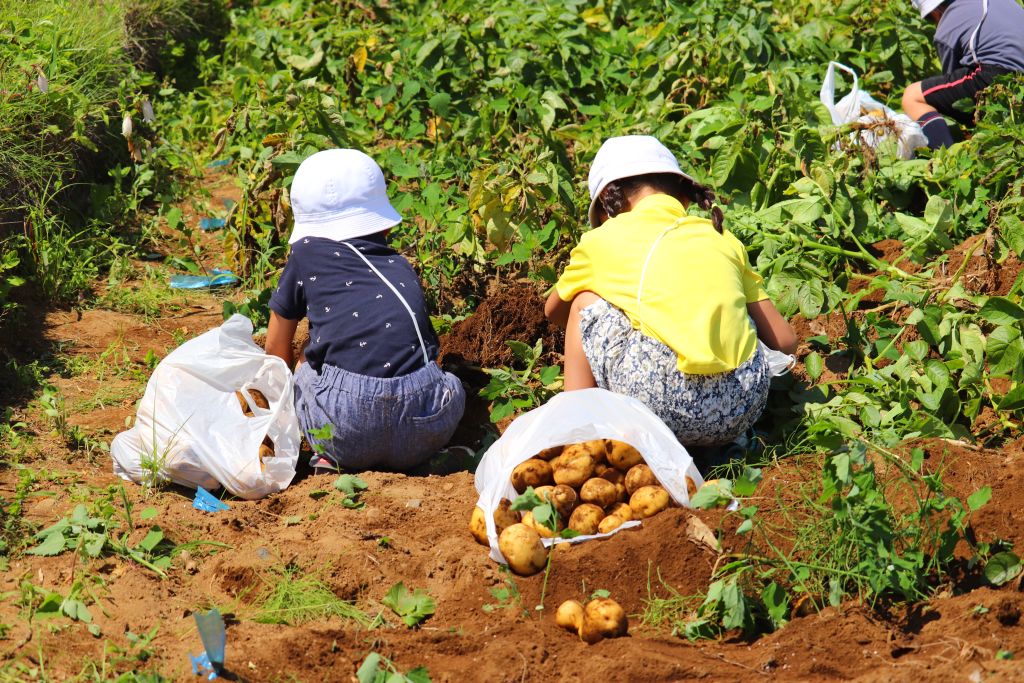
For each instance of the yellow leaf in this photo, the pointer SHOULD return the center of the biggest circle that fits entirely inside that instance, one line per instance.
(371, 41)
(359, 58)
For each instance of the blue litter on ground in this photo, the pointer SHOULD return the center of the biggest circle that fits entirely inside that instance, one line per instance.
(207, 502)
(209, 224)
(213, 635)
(228, 203)
(219, 278)
(201, 666)
(218, 163)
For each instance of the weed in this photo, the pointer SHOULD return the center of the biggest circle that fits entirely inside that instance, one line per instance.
(377, 669)
(507, 595)
(512, 391)
(413, 606)
(296, 597)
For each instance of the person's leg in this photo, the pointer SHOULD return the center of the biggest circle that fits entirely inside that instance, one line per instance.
(578, 374)
(933, 125)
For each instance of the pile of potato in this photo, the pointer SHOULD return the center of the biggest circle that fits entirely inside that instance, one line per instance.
(595, 486)
(267, 447)
(601, 618)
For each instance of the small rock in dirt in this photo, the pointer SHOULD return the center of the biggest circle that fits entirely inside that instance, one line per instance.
(191, 567)
(263, 554)
(372, 516)
(413, 503)
(185, 556)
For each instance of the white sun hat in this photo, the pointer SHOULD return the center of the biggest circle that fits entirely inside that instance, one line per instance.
(340, 194)
(926, 7)
(625, 156)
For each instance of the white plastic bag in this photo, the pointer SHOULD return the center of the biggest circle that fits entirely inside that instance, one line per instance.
(851, 107)
(573, 417)
(190, 422)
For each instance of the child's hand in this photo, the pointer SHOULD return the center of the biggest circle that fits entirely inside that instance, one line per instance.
(280, 333)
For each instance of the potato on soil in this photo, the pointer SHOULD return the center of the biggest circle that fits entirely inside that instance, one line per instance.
(638, 477)
(586, 518)
(570, 615)
(550, 454)
(603, 618)
(523, 550)
(609, 523)
(542, 531)
(573, 467)
(598, 491)
(648, 500)
(532, 472)
(622, 456)
(622, 511)
(477, 526)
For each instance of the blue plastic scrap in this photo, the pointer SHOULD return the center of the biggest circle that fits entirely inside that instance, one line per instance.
(201, 666)
(215, 638)
(218, 163)
(207, 502)
(209, 224)
(218, 278)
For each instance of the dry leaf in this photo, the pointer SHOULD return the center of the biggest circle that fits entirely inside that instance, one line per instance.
(701, 534)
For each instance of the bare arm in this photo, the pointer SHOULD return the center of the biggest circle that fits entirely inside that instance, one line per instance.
(774, 330)
(556, 310)
(280, 333)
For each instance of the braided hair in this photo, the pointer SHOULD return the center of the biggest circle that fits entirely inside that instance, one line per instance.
(614, 199)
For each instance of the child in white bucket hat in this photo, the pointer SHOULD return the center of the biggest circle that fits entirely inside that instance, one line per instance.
(664, 306)
(369, 369)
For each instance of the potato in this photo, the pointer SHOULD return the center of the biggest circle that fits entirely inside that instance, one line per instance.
(478, 527)
(622, 511)
(603, 618)
(573, 467)
(550, 454)
(609, 523)
(601, 467)
(562, 497)
(246, 410)
(505, 516)
(522, 549)
(259, 399)
(618, 478)
(532, 472)
(598, 491)
(570, 615)
(622, 456)
(266, 451)
(638, 477)
(648, 500)
(691, 486)
(541, 530)
(586, 518)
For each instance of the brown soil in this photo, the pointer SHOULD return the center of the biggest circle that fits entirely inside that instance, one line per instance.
(413, 529)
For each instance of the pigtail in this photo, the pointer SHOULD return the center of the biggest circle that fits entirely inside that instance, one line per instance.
(614, 198)
(705, 198)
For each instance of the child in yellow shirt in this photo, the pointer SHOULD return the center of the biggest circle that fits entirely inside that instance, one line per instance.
(664, 306)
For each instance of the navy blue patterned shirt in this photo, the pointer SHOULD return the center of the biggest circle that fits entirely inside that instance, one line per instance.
(355, 321)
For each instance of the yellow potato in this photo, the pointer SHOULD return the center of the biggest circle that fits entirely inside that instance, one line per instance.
(246, 410)
(532, 472)
(541, 530)
(622, 511)
(691, 486)
(609, 523)
(266, 451)
(638, 477)
(522, 549)
(586, 518)
(569, 614)
(550, 454)
(618, 478)
(603, 618)
(561, 496)
(505, 516)
(573, 467)
(598, 491)
(648, 500)
(622, 456)
(259, 399)
(600, 468)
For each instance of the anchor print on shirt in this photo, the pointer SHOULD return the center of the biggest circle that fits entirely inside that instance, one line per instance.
(387, 325)
(362, 344)
(387, 365)
(355, 314)
(312, 278)
(348, 283)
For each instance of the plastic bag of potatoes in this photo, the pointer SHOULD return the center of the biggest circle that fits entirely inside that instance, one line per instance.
(584, 445)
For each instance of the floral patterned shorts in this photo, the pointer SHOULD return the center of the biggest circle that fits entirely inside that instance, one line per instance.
(700, 409)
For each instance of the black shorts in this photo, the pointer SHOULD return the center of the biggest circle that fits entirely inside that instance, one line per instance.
(963, 83)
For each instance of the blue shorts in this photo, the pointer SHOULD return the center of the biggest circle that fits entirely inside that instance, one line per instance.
(386, 423)
(701, 410)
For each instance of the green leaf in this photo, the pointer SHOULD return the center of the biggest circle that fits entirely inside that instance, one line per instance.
(412, 606)
(977, 500)
(53, 544)
(292, 520)
(999, 310)
(1002, 568)
(747, 482)
(712, 495)
(152, 539)
(350, 484)
(1014, 399)
(776, 602)
(440, 103)
(367, 672)
(814, 364)
(148, 513)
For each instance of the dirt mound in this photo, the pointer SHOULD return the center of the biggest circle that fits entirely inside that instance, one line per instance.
(514, 311)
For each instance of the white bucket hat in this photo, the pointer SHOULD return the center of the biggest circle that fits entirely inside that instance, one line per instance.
(926, 7)
(340, 194)
(626, 156)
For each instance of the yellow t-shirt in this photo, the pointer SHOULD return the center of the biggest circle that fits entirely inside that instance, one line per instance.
(695, 291)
